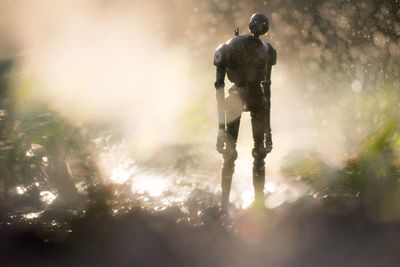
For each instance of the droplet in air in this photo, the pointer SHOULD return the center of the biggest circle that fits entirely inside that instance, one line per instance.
(356, 86)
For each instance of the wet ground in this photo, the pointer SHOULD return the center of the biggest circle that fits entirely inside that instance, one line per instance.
(297, 234)
(141, 216)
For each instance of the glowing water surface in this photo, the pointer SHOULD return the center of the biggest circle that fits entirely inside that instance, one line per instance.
(159, 189)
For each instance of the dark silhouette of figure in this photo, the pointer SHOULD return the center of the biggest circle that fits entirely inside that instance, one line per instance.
(247, 60)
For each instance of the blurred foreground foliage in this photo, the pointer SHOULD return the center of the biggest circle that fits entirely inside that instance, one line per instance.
(43, 156)
(370, 180)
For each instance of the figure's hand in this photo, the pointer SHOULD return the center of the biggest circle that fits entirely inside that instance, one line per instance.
(221, 141)
(219, 84)
(268, 144)
(268, 148)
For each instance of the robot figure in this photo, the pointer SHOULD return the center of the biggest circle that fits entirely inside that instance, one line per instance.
(247, 60)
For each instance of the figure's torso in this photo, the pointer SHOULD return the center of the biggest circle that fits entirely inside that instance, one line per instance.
(247, 60)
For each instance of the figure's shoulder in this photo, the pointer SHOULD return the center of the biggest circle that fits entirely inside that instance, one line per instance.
(222, 54)
(269, 46)
(224, 50)
(233, 42)
(238, 40)
(272, 54)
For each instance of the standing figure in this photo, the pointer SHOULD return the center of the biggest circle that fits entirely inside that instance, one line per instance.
(247, 61)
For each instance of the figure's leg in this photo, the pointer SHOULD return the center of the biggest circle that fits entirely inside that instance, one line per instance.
(259, 154)
(233, 116)
(268, 135)
(230, 156)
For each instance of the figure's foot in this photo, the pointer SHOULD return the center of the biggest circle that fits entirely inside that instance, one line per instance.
(225, 220)
(224, 211)
(258, 205)
(224, 204)
(210, 215)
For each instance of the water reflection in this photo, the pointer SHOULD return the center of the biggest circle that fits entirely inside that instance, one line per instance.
(20, 190)
(47, 197)
(153, 185)
(32, 215)
(157, 189)
(190, 196)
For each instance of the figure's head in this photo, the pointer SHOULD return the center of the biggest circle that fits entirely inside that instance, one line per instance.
(258, 24)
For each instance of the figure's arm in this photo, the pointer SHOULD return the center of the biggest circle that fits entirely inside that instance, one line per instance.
(267, 92)
(221, 58)
(220, 95)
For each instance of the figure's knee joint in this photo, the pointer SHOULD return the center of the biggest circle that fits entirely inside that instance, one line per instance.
(259, 154)
(230, 155)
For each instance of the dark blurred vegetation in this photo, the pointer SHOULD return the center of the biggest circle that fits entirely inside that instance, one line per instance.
(40, 151)
(369, 181)
(326, 39)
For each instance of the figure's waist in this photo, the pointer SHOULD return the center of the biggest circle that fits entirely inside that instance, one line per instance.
(252, 97)
(252, 75)
(247, 89)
